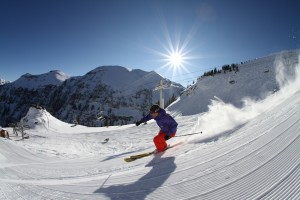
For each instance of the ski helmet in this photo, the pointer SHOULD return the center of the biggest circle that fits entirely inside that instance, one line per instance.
(154, 109)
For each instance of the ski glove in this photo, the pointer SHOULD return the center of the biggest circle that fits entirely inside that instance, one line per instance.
(138, 123)
(167, 137)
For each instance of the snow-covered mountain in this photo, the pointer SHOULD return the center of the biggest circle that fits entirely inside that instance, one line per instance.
(248, 151)
(254, 80)
(107, 95)
(113, 93)
(2, 81)
(16, 97)
(29, 81)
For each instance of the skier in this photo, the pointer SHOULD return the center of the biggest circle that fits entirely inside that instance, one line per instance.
(166, 123)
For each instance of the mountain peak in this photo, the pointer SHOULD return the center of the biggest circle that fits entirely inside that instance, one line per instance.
(119, 77)
(54, 77)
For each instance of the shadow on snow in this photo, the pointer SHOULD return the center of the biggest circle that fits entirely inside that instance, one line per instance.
(162, 168)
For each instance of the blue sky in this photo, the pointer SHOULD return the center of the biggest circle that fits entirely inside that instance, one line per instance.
(76, 36)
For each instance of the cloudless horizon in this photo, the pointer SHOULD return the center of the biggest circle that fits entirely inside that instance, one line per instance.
(78, 36)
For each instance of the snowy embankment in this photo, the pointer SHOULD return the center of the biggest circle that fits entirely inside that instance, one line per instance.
(252, 156)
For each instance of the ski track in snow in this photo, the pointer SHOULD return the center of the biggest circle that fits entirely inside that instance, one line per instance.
(260, 160)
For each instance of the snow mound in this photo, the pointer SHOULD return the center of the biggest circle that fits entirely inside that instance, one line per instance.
(40, 118)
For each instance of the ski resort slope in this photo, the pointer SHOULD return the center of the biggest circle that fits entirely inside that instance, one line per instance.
(257, 157)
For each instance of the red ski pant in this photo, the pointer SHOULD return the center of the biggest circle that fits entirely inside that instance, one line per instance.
(160, 141)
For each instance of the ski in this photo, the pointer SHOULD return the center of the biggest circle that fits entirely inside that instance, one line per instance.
(135, 157)
(139, 156)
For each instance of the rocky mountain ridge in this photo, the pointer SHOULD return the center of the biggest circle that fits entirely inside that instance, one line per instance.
(107, 95)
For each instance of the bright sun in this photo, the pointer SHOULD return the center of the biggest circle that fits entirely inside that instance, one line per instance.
(175, 59)
(175, 54)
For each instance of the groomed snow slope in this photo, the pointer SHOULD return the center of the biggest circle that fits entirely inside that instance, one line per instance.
(260, 159)
(255, 158)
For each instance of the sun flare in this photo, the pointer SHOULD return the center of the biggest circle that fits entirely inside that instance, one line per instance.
(175, 59)
(175, 54)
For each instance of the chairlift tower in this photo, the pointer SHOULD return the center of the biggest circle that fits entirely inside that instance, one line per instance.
(161, 88)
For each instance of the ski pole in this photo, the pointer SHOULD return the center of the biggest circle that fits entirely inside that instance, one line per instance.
(189, 134)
